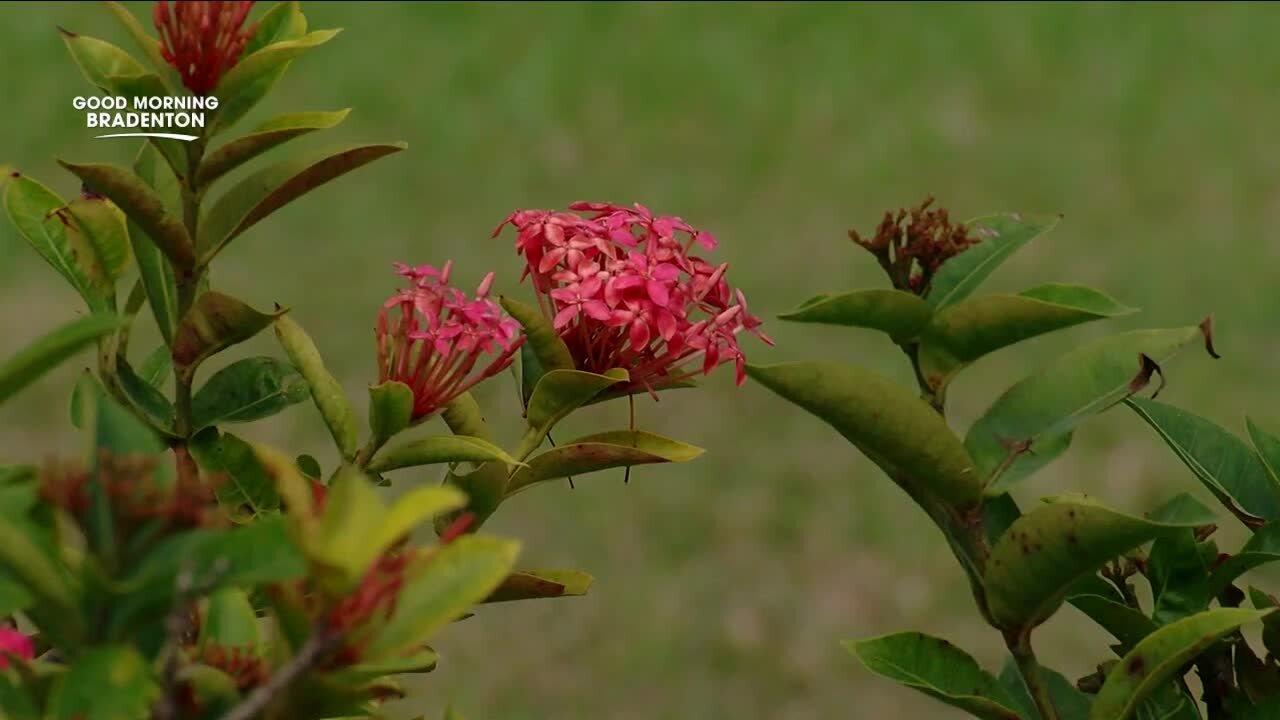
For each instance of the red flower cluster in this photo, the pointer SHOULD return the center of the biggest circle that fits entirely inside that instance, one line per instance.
(431, 337)
(202, 39)
(623, 291)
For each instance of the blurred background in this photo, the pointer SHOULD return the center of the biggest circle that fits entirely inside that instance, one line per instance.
(724, 586)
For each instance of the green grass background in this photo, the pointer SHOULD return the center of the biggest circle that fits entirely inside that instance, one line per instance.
(724, 586)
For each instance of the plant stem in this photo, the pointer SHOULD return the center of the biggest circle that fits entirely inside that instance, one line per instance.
(1020, 646)
(319, 643)
(188, 284)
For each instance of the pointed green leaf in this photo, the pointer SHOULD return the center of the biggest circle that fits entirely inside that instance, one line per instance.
(543, 350)
(284, 21)
(353, 515)
(1161, 656)
(1262, 548)
(145, 397)
(1070, 703)
(390, 410)
(214, 323)
(37, 213)
(1001, 236)
(1268, 447)
(155, 271)
(1126, 625)
(110, 682)
(1223, 462)
(326, 393)
(230, 621)
(439, 449)
(422, 661)
(412, 509)
(141, 203)
(938, 669)
(99, 60)
(1043, 407)
(49, 350)
(1179, 577)
(253, 76)
(103, 226)
(246, 490)
(275, 131)
(968, 330)
(602, 451)
(898, 314)
(890, 424)
(442, 588)
(1045, 552)
(248, 390)
(262, 193)
(309, 466)
(535, 584)
(560, 392)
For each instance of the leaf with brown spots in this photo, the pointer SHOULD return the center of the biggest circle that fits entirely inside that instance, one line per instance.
(1051, 403)
(1044, 553)
(534, 584)
(620, 448)
(214, 323)
(938, 669)
(1161, 656)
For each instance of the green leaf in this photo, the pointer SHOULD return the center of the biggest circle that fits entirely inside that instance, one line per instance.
(1045, 552)
(1262, 548)
(145, 42)
(536, 584)
(968, 330)
(112, 426)
(51, 349)
(262, 193)
(1007, 442)
(439, 590)
(560, 392)
(421, 661)
(1070, 703)
(309, 466)
(214, 323)
(543, 342)
(275, 131)
(1126, 625)
(390, 410)
(248, 390)
(412, 509)
(622, 448)
(1179, 577)
(230, 621)
(284, 21)
(938, 669)
(141, 203)
(156, 367)
(14, 597)
(1161, 656)
(37, 213)
(898, 314)
(16, 700)
(326, 393)
(99, 60)
(1268, 447)
(247, 490)
(157, 274)
(890, 424)
(1001, 236)
(111, 682)
(146, 397)
(103, 226)
(253, 76)
(439, 449)
(1223, 462)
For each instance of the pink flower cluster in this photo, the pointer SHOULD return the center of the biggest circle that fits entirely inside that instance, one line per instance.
(431, 337)
(202, 39)
(623, 290)
(14, 643)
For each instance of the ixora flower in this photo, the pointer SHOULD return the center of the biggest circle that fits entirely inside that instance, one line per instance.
(202, 39)
(14, 643)
(623, 290)
(432, 338)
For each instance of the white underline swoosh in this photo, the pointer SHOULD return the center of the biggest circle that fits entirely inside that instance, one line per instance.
(171, 136)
